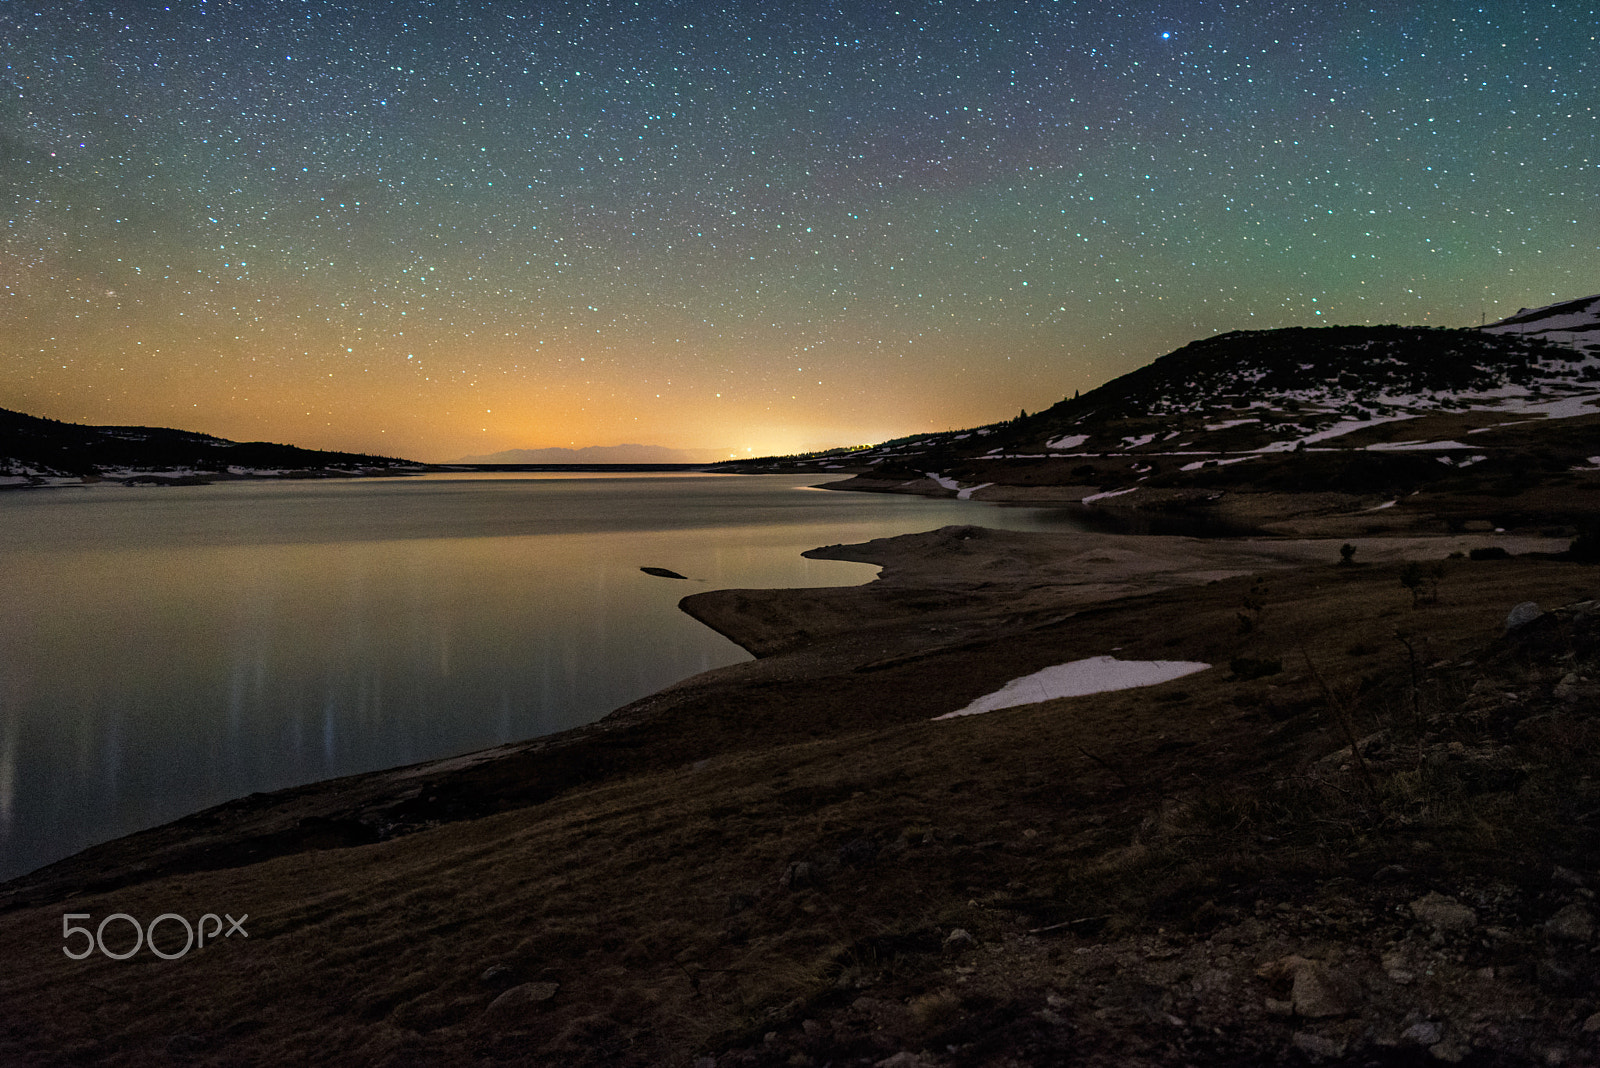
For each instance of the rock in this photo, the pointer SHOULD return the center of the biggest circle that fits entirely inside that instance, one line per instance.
(1317, 1047)
(796, 875)
(903, 1059)
(1566, 875)
(1574, 923)
(960, 938)
(1397, 966)
(1592, 1024)
(1443, 913)
(516, 1003)
(1426, 1033)
(1314, 993)
(1280, 970)
(496, 975)
(1452, 1050)
(1523, 614)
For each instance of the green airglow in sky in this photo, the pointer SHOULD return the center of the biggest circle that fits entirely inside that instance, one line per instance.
(434, 230)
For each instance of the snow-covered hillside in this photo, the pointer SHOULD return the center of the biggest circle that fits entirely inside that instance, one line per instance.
(1413, 391)
(1354, 372)
(1573, 323)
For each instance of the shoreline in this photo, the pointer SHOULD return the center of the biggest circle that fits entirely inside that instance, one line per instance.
(936, 591)
(175, 476)
(788, 860)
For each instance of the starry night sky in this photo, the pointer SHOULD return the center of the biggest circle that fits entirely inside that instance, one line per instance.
(430, 229)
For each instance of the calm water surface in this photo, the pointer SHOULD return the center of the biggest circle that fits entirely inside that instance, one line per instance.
(166, 649)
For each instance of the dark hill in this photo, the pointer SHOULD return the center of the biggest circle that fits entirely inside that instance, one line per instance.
(1334, 367)
(33, 446)
(1498, 426)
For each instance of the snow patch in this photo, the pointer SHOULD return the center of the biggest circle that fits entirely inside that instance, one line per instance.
(1564, 408)
(1071, 441)
(1097, 674)
(1103, 496)
(1198, 464)
(966, 494)
(1415, 446)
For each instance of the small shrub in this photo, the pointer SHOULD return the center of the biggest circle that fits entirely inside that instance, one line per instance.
(1347, 555)
(1422, 581)
(935, 1011)
(1489, 552)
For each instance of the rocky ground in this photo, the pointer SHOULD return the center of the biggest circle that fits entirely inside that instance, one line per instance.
(1367, 835)
(1417, 960)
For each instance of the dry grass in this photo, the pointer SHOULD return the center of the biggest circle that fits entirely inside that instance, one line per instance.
(824, 843)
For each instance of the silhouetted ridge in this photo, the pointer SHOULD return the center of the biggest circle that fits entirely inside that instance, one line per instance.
(32, 445)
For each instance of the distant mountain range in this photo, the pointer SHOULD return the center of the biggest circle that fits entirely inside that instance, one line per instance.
(593, 454)
(35, 451)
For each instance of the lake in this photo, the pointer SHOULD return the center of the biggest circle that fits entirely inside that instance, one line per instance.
(166, 649)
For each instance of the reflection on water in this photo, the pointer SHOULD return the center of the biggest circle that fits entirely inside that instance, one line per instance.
(168, 649)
